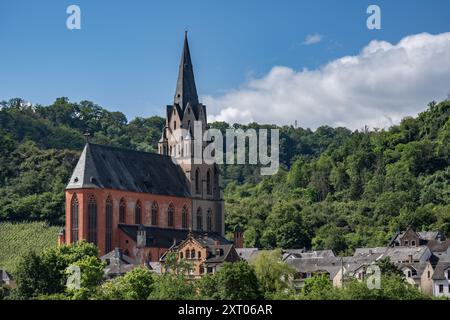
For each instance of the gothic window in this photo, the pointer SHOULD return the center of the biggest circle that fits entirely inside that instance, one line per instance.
(74, 218)
(199, 219)
(188, 254)
(208, 182)
(192, 254)
(209, 220)
(184, 218)
(92, 220)
(199, 254)
(122, 211)
(181, 255)
(197, 181)
(170, 213)
(170, 150)
(109, 223)
(154, 214)
(137, 213)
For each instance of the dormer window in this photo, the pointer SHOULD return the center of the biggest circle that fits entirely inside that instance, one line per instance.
(413, 243)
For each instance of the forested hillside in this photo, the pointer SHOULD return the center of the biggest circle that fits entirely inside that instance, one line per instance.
(336, 189)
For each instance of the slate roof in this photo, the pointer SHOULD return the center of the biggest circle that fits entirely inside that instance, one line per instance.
(438, 246)
(247, 253)
(397, 254)
(439, 271)
(418, 266)
(330, 265)
(166, 237)
(186, 91)
(104, 167)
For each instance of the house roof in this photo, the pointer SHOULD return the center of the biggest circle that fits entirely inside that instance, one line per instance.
(247, 253)
(104, 167)
(331, 265)
(438, 246)
(439, 271)
(404, 253)
(167, 237)
(418, 266)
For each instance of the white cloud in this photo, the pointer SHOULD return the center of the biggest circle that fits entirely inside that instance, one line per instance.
(377, 87)
(312, 39)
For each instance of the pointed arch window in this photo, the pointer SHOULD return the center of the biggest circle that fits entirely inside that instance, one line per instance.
(184, 218)
(92, 220)
(137, 213)
(154, 215)
(122, 210)
(170, 215)
(197, 181)
(199, 219)
(74, 206)
(209, 220)
(108, 224)
(208, 182)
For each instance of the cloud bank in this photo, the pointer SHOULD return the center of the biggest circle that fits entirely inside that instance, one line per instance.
(378, 87)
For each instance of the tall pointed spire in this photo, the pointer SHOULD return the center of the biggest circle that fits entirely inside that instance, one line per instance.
(186, 90)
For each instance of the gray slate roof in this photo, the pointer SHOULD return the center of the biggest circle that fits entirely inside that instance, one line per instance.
(104, 167)
(439, 271)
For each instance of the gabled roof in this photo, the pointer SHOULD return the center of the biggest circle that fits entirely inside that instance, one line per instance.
(439, 271)
(104, 167)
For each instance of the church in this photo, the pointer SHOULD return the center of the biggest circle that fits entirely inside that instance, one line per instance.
(145, 203)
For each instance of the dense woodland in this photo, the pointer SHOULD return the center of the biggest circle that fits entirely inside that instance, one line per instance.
(336, 189)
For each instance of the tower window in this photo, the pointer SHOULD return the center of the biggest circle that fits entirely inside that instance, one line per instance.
(108, 224)
(199, 219)
(208, 182)
(92, 220)
(170, 215)
(197, 181)
(137, 213)
(174, 125)
(154, 214)
(209, 220)
(184, 218)
(122, 211)
(74, 218)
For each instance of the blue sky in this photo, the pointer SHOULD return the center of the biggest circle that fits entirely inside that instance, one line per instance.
(126, 55)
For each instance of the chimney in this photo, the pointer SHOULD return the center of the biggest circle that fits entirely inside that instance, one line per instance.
(410, 258)
(238, 237)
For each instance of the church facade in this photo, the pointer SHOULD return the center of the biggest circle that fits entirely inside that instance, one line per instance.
(145, 203)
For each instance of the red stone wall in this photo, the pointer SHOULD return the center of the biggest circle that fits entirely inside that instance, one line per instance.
(131, 199)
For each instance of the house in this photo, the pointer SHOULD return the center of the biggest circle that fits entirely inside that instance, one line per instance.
(309, 267)
(412, 238)
(419, 274)
(441, 279)
(112, 191)
(302, 253)
(206, 252)
(117, 264)
(6, 279)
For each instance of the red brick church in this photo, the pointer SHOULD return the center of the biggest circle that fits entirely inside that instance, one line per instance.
(145, 203)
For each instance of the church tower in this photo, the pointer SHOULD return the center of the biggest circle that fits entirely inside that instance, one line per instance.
(177, 141)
